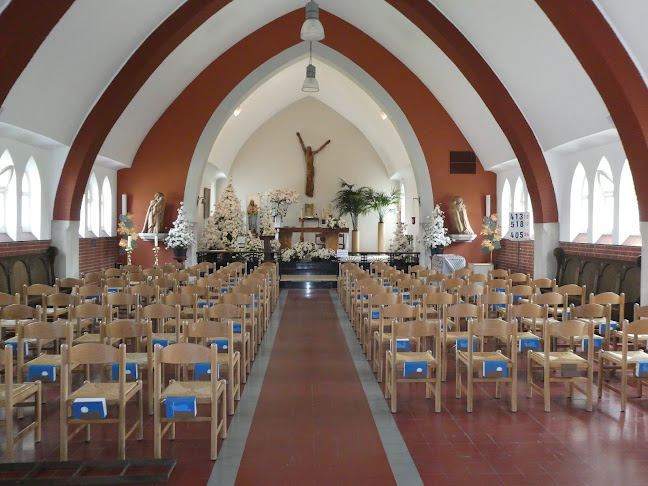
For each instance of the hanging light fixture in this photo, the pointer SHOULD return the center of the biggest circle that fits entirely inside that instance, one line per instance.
(310, 83)
(312, 29)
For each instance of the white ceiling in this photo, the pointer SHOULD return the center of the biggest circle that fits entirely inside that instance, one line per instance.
(95, 38)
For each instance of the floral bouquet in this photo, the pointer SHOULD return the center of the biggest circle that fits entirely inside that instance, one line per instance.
(434, 235)
(281, 199)
(336, 223)
(127, 228)
(323, 254)
(253, 243)
(492, 235)
(301, 251)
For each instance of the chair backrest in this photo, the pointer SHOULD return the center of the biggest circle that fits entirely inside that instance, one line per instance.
(634, 328)
(211, 329)
(60, 329)
(6, 362)
(640, 312)
(452, 284)
(543, 284)
(91, 353)
(223, 311)
(127, 329)
(160, 311)
(374, 289)
(185, 353)
(529, 310)
(87, 291)
(496, 298)
(519, 278)
(145, 292)
(574, 290)
(90, 311)
(590, 311)
(238, 299)
(551, 299)
(495, 327)
(567, 329)
(20, 311)
(59, 300)
(181, 299)
(522, 291)
(499, 273)
(153, 272)
(612, 299)
(383, 298)
(499, 284)
(399, 311)
(480, 278)
(415, 329)
(116, 283)
(93, 278)
(462, 273)
(37, 290)
(465, 310)
(470, 290)
(69, 282)
(113, 272)
(8, 299)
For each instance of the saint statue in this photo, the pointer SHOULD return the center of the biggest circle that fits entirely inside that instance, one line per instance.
(309, 155)
(459, 216)
(252, 216)
(154, 215)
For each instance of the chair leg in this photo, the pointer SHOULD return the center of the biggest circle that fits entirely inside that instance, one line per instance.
(157, 431)
(223, 411)
(600, 381)
(121, 436)
(140, 411)
(469, 406)
(457, 379)
(63, 432)
(589, 387)
(529, 373)
(9, 434)
(213, 429)
(547, 389)
(514, 385)
(39, 413)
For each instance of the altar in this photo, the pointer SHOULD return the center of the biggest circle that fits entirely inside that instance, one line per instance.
(331, 236)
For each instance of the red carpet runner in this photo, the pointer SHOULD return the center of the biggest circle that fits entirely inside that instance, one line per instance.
(312, 423)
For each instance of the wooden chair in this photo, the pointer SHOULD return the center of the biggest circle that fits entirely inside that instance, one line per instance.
(140, 333)
(90, 293)
(388, 316)
(55, 306)
(568, 363)
(115, 394)
(546, 284)
(451, 285)
(496, 304)
(6, 300)
(242, 340)
(480, 278)
(212, 392)
(452, 317)
(616, 301)
(414, 270)
(161, 317)
(533, 316)
(498, 285)
(122, 305)
(229, 360)
(200, 298)
(470, 293)
(18, 395)
(113, 272)
(15, 314)
(417, 333)
(425, 275)
(188, 303)
(431, 309)
(477, 362)
(636, 340)
(371, 322)
(552, 301)
(36, 291)
(146, 294)
(519, 278)
(89, 315)
(576, 295)
(262, 303)
(130, 268)
(42, 331)
(116, 284)
(362, 306)
(93, 278)
(463, 273)
(625, 361)
(252, 324)
(256, 309)
(135, 278)
(68, 284)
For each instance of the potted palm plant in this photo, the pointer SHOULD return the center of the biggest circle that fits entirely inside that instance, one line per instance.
(381, 202)
(354, 201)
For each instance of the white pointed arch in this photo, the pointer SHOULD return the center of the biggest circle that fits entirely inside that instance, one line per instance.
(8, 201)
(106, 208)
(603, 202)
(30, 200)
(505, 205)
(579, 204)
(628, 206)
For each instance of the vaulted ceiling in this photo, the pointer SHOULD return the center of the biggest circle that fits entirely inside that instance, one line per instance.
(95, 75)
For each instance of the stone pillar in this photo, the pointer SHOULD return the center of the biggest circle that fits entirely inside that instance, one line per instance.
(65, 237)
(547, 237)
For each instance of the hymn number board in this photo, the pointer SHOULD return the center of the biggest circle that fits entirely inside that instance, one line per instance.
(520, 226)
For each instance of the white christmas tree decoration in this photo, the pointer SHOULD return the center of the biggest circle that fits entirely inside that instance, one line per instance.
(266, 225)
(181, 235)
(225, 224)
(435, 233)
(400, 243)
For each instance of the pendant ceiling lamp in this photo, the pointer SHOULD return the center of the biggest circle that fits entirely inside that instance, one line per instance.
(310, 83)
(312, 29)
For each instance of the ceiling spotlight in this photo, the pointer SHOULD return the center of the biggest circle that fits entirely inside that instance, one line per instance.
(383, 115)
(237, 111)
(310, 83)
(312, 29)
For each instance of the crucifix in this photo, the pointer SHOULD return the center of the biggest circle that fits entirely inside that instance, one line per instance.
(309, 155)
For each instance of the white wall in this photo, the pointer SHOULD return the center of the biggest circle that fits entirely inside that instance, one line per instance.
(272, 158)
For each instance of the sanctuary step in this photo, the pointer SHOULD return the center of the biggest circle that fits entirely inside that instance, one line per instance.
(304, 281)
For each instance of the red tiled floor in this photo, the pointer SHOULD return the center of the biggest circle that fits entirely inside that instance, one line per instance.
(312, 417)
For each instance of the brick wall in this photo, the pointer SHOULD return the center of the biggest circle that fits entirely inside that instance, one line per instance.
(617, 252)
(24, 247)
(507, 256)
(97, 253)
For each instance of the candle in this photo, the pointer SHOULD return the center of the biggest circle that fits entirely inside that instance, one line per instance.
(124, 204)
(301, 214)
(130, 240)
(156, 241)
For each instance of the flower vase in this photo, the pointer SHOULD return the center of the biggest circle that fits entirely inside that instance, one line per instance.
(277, 221)
(355, 241)
(436, 250)
(381, 237)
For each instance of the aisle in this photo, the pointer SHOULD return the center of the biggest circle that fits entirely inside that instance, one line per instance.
(312, 423)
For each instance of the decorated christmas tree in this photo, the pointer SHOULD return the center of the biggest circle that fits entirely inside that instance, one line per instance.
(181, 235)
(435, 235)
(266, 224)
(225, 224)
(399, 242)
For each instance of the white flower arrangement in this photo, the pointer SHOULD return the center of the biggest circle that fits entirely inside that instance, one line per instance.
(399, 242)
(225, 224)
(336, 223)
(181, 235)
(253, 243)
(266, 225)
(307, 251)
(280, 199)
(434, 235)
(323, 254)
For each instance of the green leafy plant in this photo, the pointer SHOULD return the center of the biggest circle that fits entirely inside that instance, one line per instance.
(352, 200)
(382, 202)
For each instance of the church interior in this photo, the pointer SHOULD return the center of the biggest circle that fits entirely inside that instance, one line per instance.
(286, 191)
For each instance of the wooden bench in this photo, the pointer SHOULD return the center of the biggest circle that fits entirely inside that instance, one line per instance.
(17, 270)
(601, 275)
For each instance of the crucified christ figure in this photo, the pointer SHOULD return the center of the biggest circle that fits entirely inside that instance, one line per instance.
(309, 155)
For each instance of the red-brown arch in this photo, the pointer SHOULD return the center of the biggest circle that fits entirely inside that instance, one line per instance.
(122, 89)
(614, 75)
(171, 142)
(23, 28)
(497, 99)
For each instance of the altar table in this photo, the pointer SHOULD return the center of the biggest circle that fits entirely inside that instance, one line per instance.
(331, 236)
